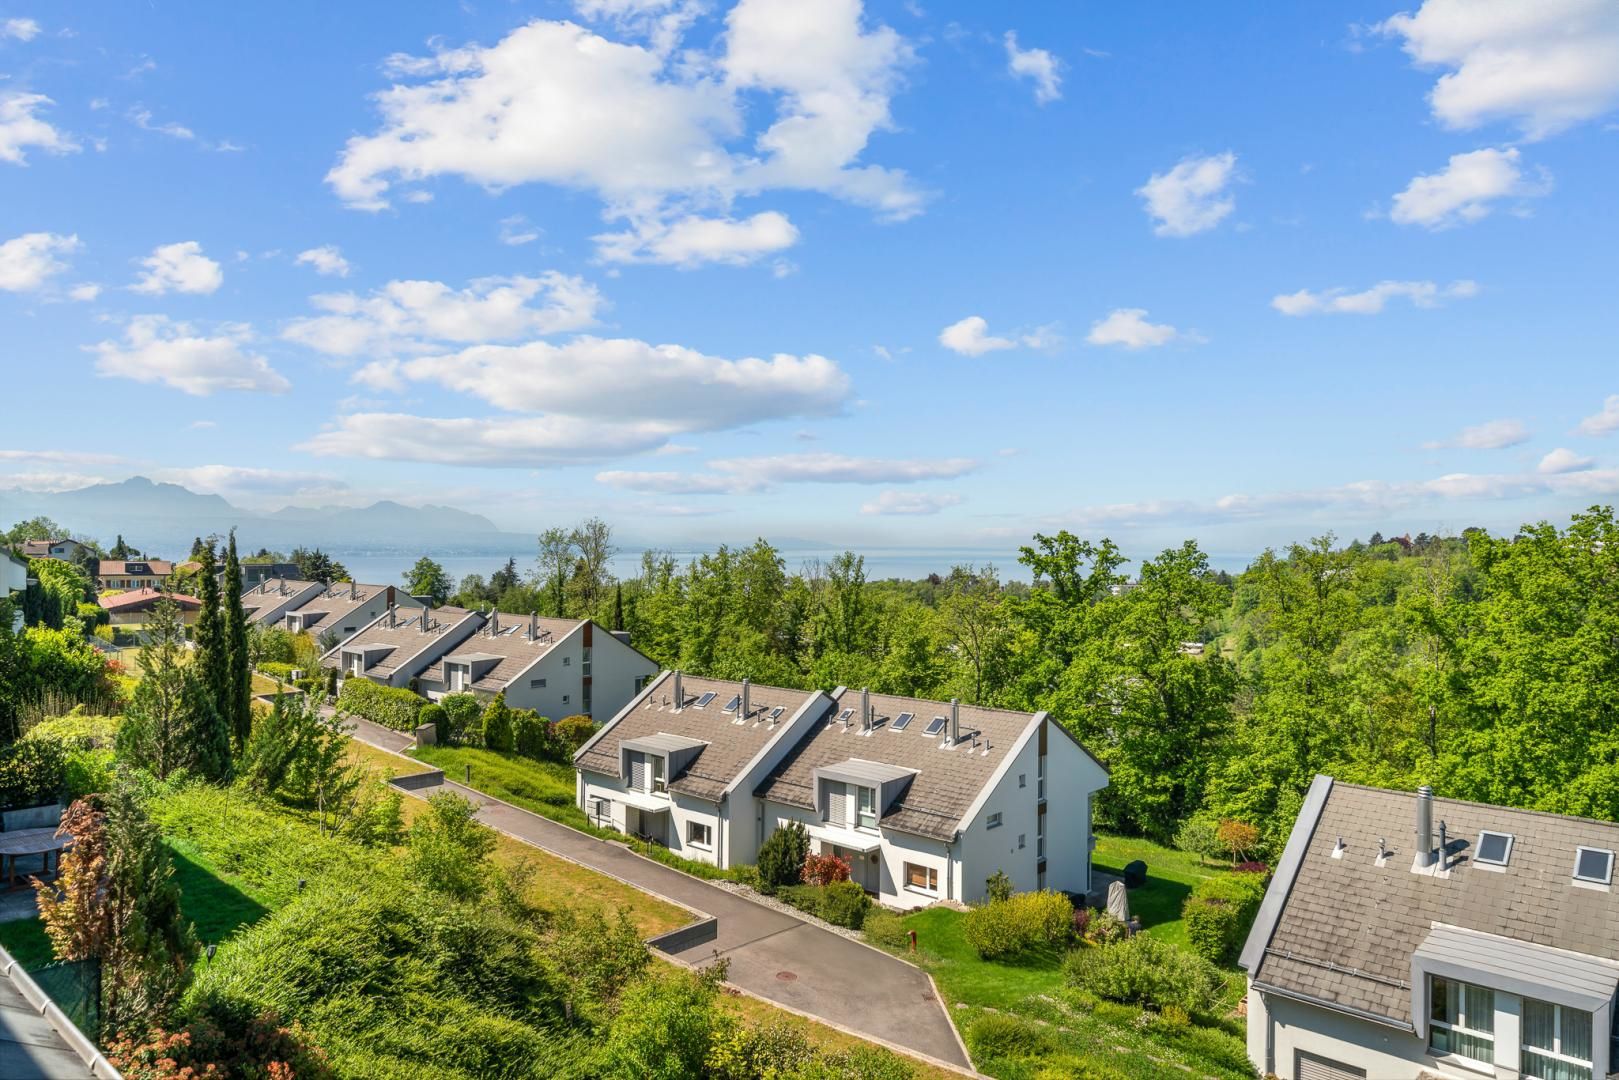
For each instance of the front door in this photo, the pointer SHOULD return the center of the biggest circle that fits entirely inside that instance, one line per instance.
(862, 870)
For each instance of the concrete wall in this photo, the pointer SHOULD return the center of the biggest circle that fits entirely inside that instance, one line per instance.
(617, 673)
(984, 850)
(1072, 780)
(614, 669)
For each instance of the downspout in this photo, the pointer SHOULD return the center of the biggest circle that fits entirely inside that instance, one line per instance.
(721, 857)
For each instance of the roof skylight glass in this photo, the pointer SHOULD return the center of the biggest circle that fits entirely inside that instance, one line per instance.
(703, 701)
(1494, 848)
(843, 717)
(902, 721)
(775, 714)
(935, 725)
(1594, 865)
(730, 706)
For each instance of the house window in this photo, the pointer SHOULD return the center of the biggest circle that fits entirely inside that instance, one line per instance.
(1462, 1019)
(603, 810)
(921, 878)
(1022, 779)
(1020, 843)
(584, 662)
(564, 699)
(699, 834)
(1556, 1042)
(567, 661)
(458, 678)
(1040, 781)
(584, 697)
(659, 781)
(868, 807)
(993, 821)
(1040, 837)
(536, 684)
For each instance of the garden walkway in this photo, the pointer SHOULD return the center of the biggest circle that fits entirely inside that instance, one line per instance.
(771, 954)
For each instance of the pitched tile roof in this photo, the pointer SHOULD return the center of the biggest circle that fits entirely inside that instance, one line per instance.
(145, 597)
(338, 601)
(947, 781)
(1347, 927)
(268, 594)
(511, 647)
(405, 640)
(730, 745)
(133, 567)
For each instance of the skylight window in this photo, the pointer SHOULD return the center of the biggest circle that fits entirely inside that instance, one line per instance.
(730, 706)
(702, 702)
(1494, 848)
(903, 721)
(843, 717)
(1594, 865)
(936, 725)
(775, 714)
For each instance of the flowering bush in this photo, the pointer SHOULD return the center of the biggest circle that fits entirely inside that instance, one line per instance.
(824, 869)
(1253, 866)
(262, 1050)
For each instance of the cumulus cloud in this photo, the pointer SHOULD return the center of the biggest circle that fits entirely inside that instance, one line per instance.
(1492, 435)
(157, 349)
(411, 316)
(246, 484)
(1129, 327)
(1604, 422)
(84, 291)
(746, 475)
(19, 29)
(1544, 66)
(517, 442)
(656, 138)
(909, 503)
(179, 267)
(1192, 197)
(516, 231)
(1036, 65)
(29, 260)
(1564, 460)
(971, 337)
(692, 241)
(1340, 301)
(21, 128)
(326, 260)
(1464, 190)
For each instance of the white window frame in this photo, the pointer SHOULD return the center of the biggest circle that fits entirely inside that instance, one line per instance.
(656, 773)
(1557, 1038)
(863, 796)
(707, 842)
(1040, 779)
(603, 810)
(460, 677)
(930, 875)
(993, 821)
(1461, 1027)
(1579, 852)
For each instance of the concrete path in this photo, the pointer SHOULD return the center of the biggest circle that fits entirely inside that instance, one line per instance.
(771, 954)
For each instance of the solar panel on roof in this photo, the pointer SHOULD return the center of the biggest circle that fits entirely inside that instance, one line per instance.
(936, 725)
(730, 706)
(902, 721)
(706, 698)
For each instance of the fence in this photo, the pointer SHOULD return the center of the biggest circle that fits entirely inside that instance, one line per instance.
(75, 986)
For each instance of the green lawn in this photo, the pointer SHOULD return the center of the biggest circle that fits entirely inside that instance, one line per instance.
(1170, 877)
(545, 787)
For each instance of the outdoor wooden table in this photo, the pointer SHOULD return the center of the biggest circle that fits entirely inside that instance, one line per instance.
(42, 842)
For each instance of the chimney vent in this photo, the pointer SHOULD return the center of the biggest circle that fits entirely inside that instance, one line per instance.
(680, 698)
(746, 711)
(955, 721)
(354, 591)
(1444, 845)
(494, 622)
(1424, 858)
(533, 625)
(392, 616)
(865, 709)
(425, 626)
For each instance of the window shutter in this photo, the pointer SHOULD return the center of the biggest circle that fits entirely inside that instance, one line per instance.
(837, 802)
(1310, 1067)
(638, 770)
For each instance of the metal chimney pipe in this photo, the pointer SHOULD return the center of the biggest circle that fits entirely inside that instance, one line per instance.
(393, 613)
(425, 610)
(1424, 827)
(680, 698)
(533, 625)
(865, 709)
(955, 721)
(1444, 845)
(746, 685)
(494, 622)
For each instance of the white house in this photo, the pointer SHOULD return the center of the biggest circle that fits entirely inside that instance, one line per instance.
(13, 583)
(342, 608)
(268, 602)
(1411, 938)
(401, 644)
(928, 799)
(679, 763)
(63, 548)
(557, 667)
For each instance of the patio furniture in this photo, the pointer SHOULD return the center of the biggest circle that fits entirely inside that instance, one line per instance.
(25, 843)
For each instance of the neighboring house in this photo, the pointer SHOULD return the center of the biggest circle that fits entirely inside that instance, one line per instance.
(13, 583)
(557, 667)
(1409, 937)
(135, 607)
(255, 574)
(928, 799)
(343, 607)
(133, 573)
(400, 644)
(679, 763)
(67, 550)
(268, 602)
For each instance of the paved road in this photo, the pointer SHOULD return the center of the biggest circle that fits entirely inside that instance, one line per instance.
(771, 954)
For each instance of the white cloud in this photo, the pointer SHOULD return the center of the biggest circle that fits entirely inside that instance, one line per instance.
(326, 259)
(1602, 423)
(28, 260)
(658, 139)
(1545, 65)
(1036, 65)
(1192, 197)
(19, 29)
(1564, 460)
(908, 503)
(733, 476)
(159, 350)
(522, 442)
(971, 337)
(1492, 435)
(180, 267)
(691, 241)
(1340, 301)
(661, 22)
(84, 291)
(1129, 327)
(516, 230)
(406, 316)
(60, 457)
(247, 484)
(142, 118)
(20, 128)
(203, 425)
(1463, 192)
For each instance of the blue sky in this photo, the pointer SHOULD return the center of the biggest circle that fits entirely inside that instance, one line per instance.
(915, 274)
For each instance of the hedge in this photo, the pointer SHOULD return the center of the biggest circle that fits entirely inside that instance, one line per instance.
(386, 705)
(1144, 970)
(276, 670)
(1220, 912)
(1021, 922)
(842, 903)
(31, 773)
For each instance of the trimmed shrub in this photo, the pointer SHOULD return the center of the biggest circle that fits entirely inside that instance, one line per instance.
(1143, 970)
(465, 716)
(497, 726)
(781, 857)
(386, 705)
(998, 1035)
(844, 903)
(1220, 912)
(276, 670)
(1004, 927)
(31, 773)
(575, 731)
(533, 736)
(803, 897)
(433, 713)
(1102, 928)
(886, 930)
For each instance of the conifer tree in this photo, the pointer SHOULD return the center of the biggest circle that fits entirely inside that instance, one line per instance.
(618, 607)
(237, 708)
(212, 662)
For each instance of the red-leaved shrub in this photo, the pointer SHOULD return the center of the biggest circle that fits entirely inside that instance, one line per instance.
(824, 869)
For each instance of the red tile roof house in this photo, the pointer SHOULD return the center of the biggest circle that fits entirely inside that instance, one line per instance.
(1407, 937)
(135, 607)
(132, 573)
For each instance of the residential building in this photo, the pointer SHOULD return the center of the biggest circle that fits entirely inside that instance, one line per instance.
(1407, 937)
(134, 607)
(557, 667)
(255, 574)
(64, 549)
(928, 799)
(268, 602)
(679, 763)
(401, 644)
(133, 573)
(342, 608)
(13, 583)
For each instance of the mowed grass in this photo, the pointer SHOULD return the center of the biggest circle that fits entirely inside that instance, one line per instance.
(755, 1011)
(1171, 874)
(543, 787)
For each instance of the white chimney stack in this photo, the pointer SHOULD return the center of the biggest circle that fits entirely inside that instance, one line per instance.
(680, 698)
(494, 622)
(1425, 857)
(955, 721)
(746, 710)
(865, 709)
(425, 610)
(533, 625)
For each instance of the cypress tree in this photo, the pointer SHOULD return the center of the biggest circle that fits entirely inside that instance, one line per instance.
(212, 664)
(237, 708)
(618, 607)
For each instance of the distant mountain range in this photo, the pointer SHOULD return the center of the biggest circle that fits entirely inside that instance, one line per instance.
(163, 519)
